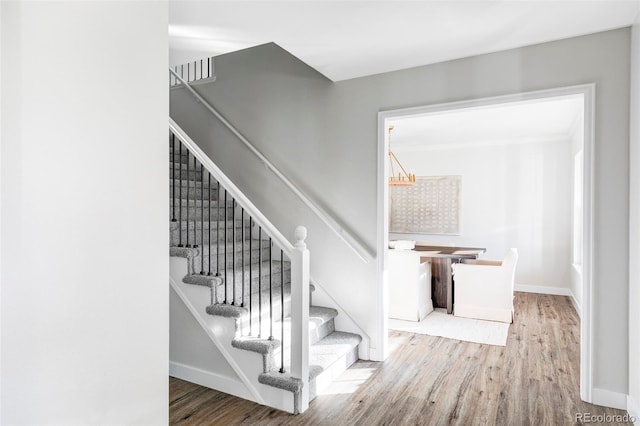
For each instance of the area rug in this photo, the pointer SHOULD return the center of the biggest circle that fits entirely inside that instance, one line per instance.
(438, 323)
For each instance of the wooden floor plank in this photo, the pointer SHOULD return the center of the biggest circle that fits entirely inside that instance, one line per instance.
(428, 380)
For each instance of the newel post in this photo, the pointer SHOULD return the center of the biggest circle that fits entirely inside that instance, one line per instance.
(300, 315)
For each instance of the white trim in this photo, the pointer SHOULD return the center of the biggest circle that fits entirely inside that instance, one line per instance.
(577, 306)
(586, 326)
(633, 408)
(208, 379)
(588, 170)
(556, 291)
(227, 356)
(477, 144)
(607, 398)
(381, 352)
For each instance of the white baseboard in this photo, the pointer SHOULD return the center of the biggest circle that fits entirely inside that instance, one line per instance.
(209, 380)
(607, 398)
(575, 304)
(633, 408)
(556, 291)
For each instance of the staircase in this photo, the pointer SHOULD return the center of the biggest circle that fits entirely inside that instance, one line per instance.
(248, 282)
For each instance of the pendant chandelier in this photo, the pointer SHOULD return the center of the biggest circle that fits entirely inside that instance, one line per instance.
(402, 178)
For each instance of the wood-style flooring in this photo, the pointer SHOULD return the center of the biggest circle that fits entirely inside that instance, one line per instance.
(427, 380)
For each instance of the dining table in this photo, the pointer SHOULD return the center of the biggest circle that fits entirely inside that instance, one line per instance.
(441, 258)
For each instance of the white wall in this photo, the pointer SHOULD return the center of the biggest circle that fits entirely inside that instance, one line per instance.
(512, 195)
(634, 228)
(85, 300)
(191, 346)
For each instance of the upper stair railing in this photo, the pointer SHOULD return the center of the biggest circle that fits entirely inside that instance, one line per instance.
(351, 241)
(197, 71)
(222, 250)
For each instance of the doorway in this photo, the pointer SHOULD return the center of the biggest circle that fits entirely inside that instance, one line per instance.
(580, 172)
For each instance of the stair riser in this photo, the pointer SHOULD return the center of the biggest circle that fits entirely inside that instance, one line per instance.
(195, 193)
(252, 258)
(321, 332)
(175, 156)
(191, 175)
(176, 165)
(275, 278)
(216, 237)
(217, 225)
(346, 362)
(257, 313)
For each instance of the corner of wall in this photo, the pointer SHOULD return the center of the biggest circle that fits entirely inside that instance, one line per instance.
(633, 397)
(633, 408)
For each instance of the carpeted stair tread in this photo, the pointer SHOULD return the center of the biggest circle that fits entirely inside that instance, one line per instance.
(215, 224)
(186, 252)
(321, 314)
(281, 381)
(210, 281)
(325, 352)
(321, 322)
(256, 344)
(194, 183)
(322, 355)
(257, 297)
(228, 311)
(198, 202)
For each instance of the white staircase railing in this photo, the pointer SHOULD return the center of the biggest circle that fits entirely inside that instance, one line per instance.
(365, 253)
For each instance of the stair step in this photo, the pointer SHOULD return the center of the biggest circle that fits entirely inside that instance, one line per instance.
(217, 232)
(321, 322)
(328, 358)
(319, 318)
(191, 175)
(255, 286)
(198, 213)
(324, 353)
(195, 184)
(260, 324)
(235, 253)
(198, 203)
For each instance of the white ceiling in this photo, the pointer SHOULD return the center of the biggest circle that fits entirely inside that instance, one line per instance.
(347, 39)
(547, 120)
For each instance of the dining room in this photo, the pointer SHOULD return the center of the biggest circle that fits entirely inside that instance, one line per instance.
(488, 179)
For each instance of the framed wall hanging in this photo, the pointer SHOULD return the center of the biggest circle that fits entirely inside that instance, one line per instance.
(431, 206)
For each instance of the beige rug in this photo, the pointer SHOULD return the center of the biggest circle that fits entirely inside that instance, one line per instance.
(438, 323)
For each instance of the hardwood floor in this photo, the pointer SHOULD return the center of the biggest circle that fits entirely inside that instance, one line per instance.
(534, 380)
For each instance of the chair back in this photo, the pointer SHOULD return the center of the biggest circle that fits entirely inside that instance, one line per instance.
(509, 263)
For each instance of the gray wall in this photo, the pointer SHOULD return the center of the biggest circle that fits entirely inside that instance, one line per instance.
(324, 136)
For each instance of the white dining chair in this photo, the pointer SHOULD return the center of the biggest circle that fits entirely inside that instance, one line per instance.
(483, 289)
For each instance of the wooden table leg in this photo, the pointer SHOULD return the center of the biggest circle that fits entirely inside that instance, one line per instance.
(442, 289)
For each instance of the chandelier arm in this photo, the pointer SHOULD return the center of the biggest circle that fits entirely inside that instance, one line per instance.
(399, 164)
(393, 171)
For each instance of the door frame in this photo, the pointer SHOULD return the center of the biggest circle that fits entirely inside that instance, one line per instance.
(587, 91)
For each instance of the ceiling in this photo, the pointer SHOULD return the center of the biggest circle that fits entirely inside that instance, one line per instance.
(348, 39)
(546, 120)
